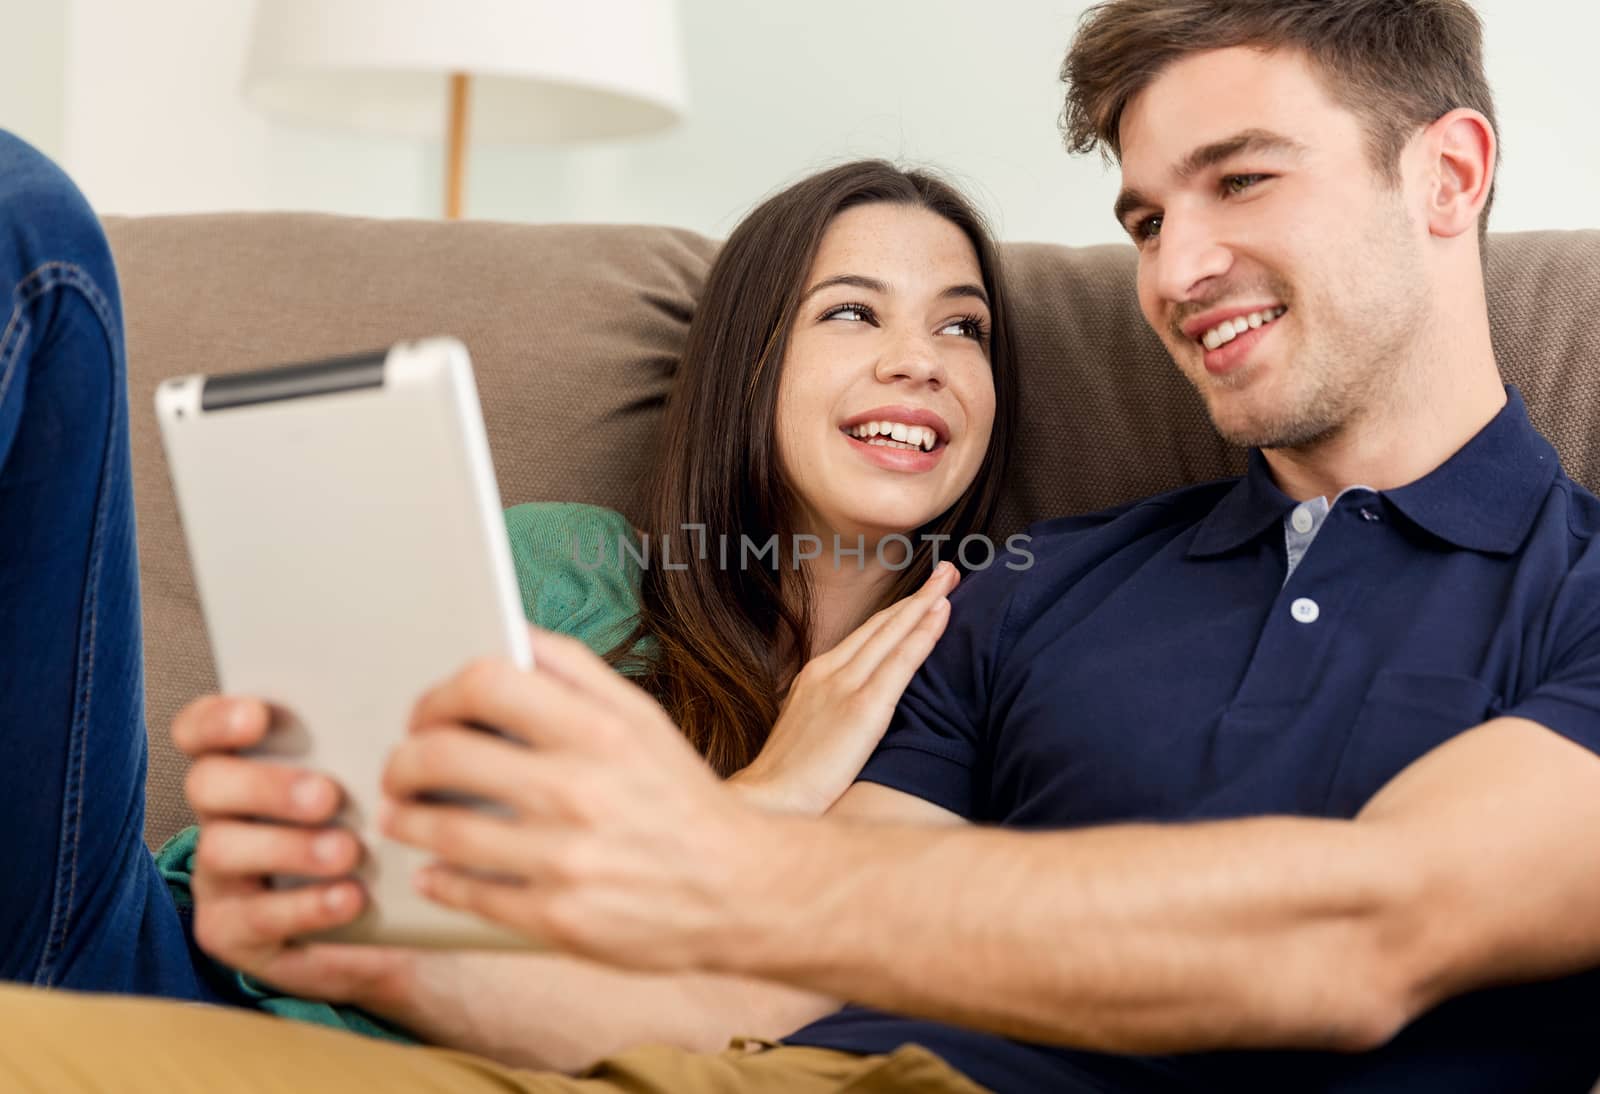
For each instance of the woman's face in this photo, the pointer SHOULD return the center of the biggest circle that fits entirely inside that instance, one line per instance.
(886, 401)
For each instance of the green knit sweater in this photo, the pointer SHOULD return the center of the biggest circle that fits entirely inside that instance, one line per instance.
(574, 579)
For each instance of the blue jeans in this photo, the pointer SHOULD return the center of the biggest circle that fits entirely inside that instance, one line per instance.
(81, 903)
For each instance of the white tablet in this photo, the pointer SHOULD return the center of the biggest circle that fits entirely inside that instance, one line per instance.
(350, 552)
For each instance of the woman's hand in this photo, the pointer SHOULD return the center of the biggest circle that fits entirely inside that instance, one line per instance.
(259, 818)
(840, 703)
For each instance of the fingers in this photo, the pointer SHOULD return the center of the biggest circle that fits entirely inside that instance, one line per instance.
(533, 706)
(851, 644)
(230, 850)
(901, 663)
(497, 900)
(245, 924)
(238, 927)
(585, 671)
(232, 786)
(940, 583)
(461, 760)
(220, 723)
(534, 784)
(238, 919)
(462, 837)
(909, 615)
(569, 699)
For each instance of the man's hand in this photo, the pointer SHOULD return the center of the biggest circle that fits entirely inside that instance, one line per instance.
(259, 818)
(622, 845)
(526, 1010)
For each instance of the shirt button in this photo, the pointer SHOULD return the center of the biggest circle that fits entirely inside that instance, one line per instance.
(1371, 515)
(1301, 520)
(1305, 610)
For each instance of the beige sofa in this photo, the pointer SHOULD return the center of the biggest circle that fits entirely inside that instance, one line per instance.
(575, 331)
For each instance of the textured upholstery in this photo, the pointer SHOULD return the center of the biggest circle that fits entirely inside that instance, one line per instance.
(575, 331)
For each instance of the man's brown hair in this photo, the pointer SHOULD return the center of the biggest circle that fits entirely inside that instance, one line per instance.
(1399, 65)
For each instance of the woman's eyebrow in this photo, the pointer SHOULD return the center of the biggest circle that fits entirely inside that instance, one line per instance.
(966, 289)
(855, 280)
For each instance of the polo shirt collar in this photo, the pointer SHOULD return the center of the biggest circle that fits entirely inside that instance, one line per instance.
(1483, 498)
(1254, 504)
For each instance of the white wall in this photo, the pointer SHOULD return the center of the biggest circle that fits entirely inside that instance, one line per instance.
(140, 101)
(779, 89)
(154, 123)
(32, 72)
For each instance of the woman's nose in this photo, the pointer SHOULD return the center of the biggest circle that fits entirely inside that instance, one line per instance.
(912, 358)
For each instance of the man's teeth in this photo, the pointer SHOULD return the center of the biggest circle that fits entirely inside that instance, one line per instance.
(1229, 329)
(895, 435)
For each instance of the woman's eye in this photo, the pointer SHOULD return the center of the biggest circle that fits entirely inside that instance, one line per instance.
(855, 313)
(969, 327)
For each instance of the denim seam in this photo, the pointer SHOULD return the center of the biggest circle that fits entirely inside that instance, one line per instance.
(46, 278)
(11, 348)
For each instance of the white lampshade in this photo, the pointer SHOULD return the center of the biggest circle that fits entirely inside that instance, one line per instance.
(543, 70)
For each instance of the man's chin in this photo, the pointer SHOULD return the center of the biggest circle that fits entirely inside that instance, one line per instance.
(1232, 414)
(1241, 418)
(1248, 411)
(1274, 432)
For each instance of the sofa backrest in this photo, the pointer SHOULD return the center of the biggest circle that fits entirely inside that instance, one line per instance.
(575, 332)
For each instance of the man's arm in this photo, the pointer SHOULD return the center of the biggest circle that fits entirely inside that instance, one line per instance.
(1471, 867)
(551, 1012)
(866, 801)
(1468, 868)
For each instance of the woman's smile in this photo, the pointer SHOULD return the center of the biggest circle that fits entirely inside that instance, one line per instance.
(898, 438)
(893, 455)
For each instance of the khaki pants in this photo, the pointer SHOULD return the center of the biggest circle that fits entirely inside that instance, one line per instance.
(56, 1042)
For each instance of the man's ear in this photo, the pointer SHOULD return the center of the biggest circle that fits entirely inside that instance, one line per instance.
(1461, 148)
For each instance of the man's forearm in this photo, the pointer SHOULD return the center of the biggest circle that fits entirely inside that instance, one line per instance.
(558, 1013)
(1272, 931)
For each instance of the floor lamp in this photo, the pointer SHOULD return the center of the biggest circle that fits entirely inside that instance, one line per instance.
(540, 71)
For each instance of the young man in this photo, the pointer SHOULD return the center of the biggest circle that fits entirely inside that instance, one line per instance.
(1297, 767)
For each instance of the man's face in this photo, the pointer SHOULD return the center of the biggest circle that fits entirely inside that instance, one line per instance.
(1279, 267)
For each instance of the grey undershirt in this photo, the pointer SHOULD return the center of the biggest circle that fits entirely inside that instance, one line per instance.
(1302, 523)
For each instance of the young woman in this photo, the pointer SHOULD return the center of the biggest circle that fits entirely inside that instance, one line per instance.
(846, 387)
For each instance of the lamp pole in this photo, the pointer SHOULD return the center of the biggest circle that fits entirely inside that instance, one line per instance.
(456, 165)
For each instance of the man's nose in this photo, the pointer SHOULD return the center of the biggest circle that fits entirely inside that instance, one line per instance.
(1190, 254)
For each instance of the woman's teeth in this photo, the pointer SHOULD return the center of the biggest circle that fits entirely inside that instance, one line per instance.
(895, 435)
(1229, 329)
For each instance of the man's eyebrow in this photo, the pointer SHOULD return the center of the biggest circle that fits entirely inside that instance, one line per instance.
(1127, 202)
(872, 284)
(1249, 140)
(1209, 155)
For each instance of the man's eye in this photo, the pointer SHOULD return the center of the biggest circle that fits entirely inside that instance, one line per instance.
(1238, 184)
(1147, 229)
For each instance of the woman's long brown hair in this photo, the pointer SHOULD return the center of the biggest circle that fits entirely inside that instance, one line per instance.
(728, 639)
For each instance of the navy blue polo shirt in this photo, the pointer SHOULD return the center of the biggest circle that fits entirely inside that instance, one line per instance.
(1161, 662)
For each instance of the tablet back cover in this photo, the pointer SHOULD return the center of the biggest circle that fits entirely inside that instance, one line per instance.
(350, 552)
